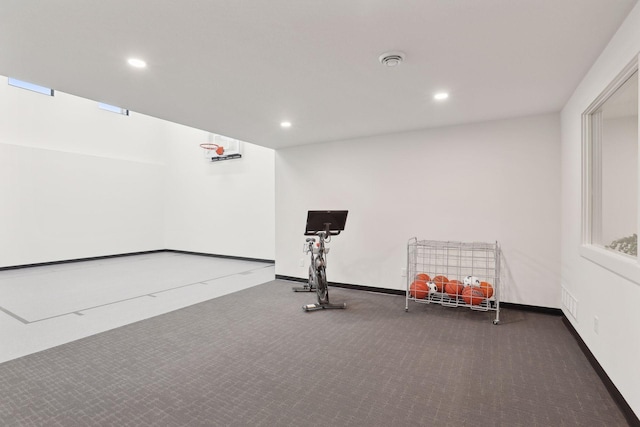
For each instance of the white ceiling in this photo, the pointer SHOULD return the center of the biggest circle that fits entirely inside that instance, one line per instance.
(238, 67)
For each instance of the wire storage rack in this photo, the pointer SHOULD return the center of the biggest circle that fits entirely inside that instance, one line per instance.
(454, 274)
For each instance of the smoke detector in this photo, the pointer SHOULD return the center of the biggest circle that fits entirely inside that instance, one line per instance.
(391, 59)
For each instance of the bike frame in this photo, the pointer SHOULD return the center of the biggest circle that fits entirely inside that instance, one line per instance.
(318, 275)
(317, 269)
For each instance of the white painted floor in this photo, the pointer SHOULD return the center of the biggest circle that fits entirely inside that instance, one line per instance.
(42, 307)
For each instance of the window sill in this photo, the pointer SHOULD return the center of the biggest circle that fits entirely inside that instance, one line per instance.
(618, 264)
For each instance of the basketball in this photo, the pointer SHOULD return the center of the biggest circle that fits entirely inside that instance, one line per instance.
(454, 288)
(472, 295)
(440, 282)
(220, 150)
(486, 289)
(471, 281)
(419, 289)
(423, 276)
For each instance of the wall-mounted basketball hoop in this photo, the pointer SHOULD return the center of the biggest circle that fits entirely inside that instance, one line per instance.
(221, 148)
(213, 147)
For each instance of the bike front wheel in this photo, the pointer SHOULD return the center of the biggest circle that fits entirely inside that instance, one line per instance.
(322, 291)
(313, 279)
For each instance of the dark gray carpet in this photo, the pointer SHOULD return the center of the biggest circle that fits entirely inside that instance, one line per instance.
(255, 358)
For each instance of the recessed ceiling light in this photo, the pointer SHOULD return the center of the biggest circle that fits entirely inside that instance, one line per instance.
(440, 96)
(138, 63)
(285, 124)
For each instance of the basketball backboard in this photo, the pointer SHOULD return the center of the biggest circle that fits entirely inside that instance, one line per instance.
(231, 148)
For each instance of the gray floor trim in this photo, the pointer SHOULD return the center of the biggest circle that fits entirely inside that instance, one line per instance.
(154, 251)
(70, 261)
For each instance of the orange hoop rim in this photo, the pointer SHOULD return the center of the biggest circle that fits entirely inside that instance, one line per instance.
(209, 146)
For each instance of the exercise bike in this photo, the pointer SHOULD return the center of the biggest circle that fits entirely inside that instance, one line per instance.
(323, 224)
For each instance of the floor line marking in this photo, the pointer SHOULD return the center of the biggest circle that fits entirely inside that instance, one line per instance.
(27, 322)
(15, 316)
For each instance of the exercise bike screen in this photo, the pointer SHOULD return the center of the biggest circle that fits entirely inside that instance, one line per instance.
(318, 220)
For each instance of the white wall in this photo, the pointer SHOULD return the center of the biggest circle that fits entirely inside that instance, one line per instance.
(224, 207)
(75, 181)
(599, 292)
(78, 182)
(60, 206)
(480, 182)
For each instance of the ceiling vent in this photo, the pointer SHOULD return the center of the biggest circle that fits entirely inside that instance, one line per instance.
(391, 59)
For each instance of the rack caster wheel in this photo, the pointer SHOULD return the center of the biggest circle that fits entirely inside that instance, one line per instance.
(495, 322)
